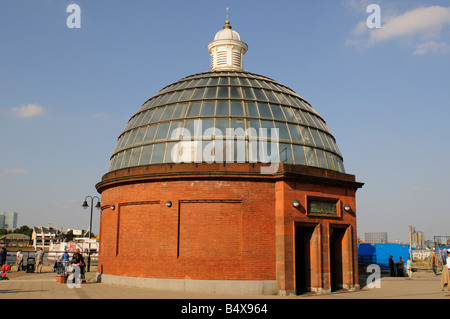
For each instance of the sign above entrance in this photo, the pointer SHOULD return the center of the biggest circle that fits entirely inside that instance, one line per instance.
(322, 207)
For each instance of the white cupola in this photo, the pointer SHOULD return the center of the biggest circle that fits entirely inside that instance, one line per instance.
(227, 50)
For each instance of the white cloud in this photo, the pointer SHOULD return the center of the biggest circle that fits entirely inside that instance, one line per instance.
(15, 171)
(432, 46)
(420, 28)
(27, 111)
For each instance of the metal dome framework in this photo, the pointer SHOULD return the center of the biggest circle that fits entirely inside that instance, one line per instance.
(221, 100)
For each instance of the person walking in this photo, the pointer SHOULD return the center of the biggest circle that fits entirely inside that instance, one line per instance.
(392, 266)
(19, 260)
(445, 272)
(434, 263)
(3, 254)
(39, 260)
(400, 268)
(409, 267)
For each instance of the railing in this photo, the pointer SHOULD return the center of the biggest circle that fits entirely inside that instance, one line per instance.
(49, 258)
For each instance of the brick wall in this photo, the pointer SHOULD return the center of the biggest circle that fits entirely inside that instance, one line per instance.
(215, 229)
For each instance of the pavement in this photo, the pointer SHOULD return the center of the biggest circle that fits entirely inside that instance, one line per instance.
(22, 285)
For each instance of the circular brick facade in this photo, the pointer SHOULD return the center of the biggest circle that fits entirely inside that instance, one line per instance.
(227, 225)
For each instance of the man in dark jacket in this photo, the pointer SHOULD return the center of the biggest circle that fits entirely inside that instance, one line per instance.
(392, 266)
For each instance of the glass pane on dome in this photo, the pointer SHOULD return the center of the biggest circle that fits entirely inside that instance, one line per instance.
(290, 115)
(180, 111)
(214, 80)
(208, 128)
(186, 95)
(130, 140)
(299, 154)
(165, 99)
(310, 156)
(203, 82)
(208, 108)
(271, 97)
(140, 135)
(173, 97)
(183, 85)
(211, 93)
(122, 141)
(119, 160)
(146, 154)
(316, 137)
(150, 135)
(168, 153)
(189, 129)
(307, 138)
(148, 116)
(253, 128)
(330, 161)
(158, 153)
(324, 140)
(253, 82)
(222, 125)
(223, 81)
(163, 129)
(252, 110)
(283, 133)
(138, 120)
(174, 130)
(157, 115)
(277, 112)
(248, 93)
(234, 81)
(321, 158)
(223, 108)
(264, 84)
(112, 164)
(236, 108)
(244, 81)
(223, 92)
(264, 110)
(193, 83)
(259, 94)
(300, 117)
(295, 133)
(235, 92)
(267, 131)
(310, 119)
(238, 124)
(168, 112)
(125, 159)
(286, 154)
(134, 158)
(198, 94)
(194, 109)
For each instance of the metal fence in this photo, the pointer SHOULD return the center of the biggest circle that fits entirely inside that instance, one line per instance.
(49, 258)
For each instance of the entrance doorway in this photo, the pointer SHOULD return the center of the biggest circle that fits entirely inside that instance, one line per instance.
(303, 238)
(336, 259)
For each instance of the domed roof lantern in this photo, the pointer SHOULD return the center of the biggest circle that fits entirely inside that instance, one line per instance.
(227, 49)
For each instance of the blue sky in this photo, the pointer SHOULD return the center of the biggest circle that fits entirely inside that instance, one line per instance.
(66, 94)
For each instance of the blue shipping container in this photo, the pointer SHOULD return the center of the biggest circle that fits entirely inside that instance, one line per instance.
(379, 254)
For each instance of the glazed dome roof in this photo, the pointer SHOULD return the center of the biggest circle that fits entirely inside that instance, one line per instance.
(224, 99)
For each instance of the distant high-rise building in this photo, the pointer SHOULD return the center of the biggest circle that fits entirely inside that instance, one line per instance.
(8, 220)
(376, 238)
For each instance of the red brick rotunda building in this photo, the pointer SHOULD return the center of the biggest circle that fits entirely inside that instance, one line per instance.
(228, 182)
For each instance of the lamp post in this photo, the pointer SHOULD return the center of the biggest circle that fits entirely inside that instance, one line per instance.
(85, 205)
